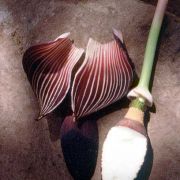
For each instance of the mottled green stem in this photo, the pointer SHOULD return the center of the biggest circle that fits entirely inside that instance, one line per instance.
(152, 43)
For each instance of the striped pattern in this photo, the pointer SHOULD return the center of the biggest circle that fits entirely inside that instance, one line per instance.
(104, 77)
(49, 68)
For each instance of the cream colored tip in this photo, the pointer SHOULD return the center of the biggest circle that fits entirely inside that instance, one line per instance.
(64, 35)
(118, 34)
(141, 93)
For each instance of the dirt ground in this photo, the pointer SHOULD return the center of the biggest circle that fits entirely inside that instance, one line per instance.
(173, 6)
(27, 148)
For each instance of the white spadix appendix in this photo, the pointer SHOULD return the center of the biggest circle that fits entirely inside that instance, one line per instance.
(126, 144)
(103, 78)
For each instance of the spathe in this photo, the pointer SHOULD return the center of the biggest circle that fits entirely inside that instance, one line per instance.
(79, 142)
(104, 77)
(49, 67)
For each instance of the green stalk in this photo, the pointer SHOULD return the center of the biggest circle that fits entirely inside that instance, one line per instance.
(151, 44)
(140, 102)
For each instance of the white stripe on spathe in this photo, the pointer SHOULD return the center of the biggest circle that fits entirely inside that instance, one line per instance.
(66, 70)
(64, 81)
(59, 83)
